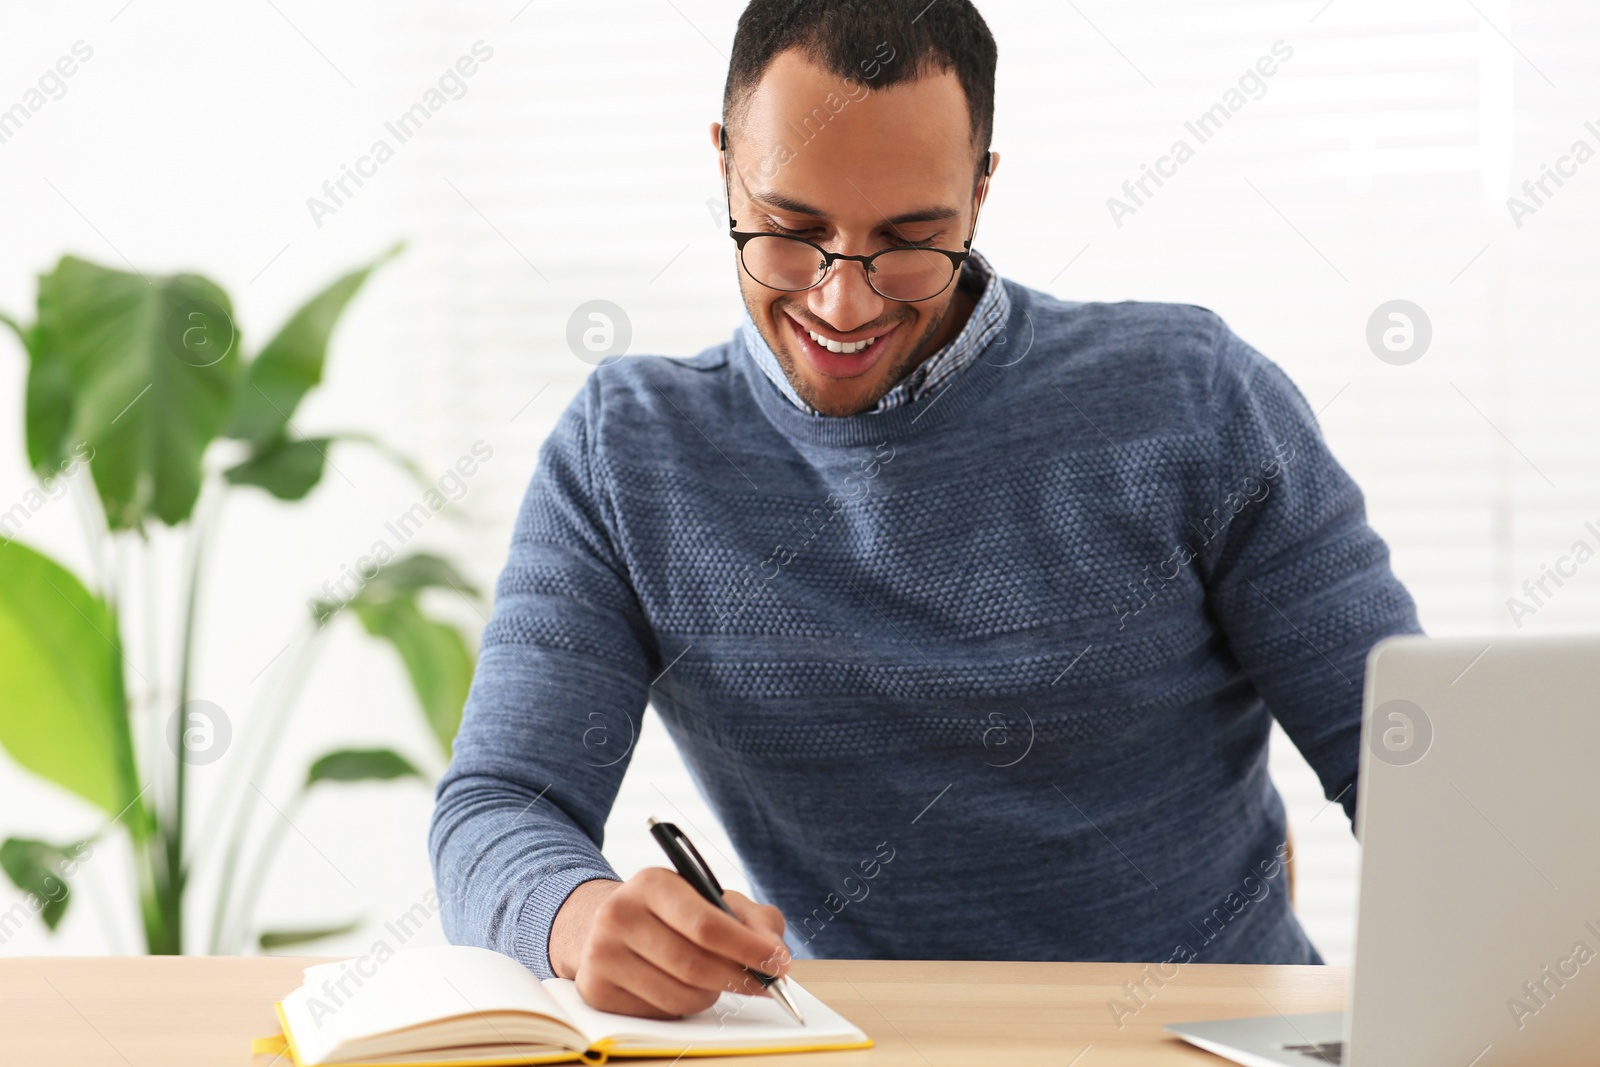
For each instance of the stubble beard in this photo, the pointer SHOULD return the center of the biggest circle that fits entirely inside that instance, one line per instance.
(902, 366)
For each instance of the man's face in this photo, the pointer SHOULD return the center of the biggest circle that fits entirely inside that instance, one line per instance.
(881, 168)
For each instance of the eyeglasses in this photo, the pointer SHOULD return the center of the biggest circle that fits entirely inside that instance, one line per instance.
(793, 264)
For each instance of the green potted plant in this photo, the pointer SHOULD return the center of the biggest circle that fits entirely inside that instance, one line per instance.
(135, 378)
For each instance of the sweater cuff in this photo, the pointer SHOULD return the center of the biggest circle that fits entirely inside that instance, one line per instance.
(538, 914)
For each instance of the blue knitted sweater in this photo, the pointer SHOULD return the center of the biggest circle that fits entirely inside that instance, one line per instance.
(989, 675)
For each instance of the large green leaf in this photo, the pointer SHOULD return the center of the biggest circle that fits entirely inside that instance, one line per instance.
(285, 468)
(420, 570)
(289, 468)
(42, 869)
(291, 363)
(272, 939)
(435, 654)
(359, 765)
(16, 327)
(152, 366)
(49, 408)
(48, 401)
(62, 712)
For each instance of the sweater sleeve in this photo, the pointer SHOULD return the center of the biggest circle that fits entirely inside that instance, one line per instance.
(554, 708)
(1298, 581)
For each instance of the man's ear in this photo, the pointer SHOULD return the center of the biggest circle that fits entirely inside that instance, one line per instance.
(719, 141)
(984, 179)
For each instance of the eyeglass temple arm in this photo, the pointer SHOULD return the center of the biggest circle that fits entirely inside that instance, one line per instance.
(988, 168)
(727, 182)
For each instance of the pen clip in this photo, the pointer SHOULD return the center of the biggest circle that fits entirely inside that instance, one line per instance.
(699, 860)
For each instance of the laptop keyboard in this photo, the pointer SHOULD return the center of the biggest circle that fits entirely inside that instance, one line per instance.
(1323, 1052)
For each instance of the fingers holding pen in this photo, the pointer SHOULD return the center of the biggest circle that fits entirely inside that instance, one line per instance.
(657, 948)
(758, 947)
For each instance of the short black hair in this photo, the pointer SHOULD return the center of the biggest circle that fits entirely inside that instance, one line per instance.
(849, 38)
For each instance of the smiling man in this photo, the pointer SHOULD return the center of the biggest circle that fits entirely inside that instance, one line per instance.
(812, 211)
(969, 608)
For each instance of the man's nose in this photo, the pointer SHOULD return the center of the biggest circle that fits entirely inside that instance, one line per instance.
(844, 300)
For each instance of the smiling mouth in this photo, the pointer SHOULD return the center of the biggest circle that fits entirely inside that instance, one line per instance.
(835, 358)
(848, 348)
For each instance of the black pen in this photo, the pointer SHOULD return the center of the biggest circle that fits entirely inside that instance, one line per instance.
(697, 874)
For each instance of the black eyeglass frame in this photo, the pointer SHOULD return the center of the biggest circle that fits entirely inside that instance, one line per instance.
(742, 238)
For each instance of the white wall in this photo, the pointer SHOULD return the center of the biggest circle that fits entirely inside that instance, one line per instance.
(1375, 166)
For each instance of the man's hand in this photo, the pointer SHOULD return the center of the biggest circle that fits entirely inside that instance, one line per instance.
(652, 946)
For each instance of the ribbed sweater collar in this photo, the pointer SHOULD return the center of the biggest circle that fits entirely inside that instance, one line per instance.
(994, 352)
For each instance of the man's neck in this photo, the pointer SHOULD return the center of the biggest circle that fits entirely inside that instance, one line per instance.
(961, 308)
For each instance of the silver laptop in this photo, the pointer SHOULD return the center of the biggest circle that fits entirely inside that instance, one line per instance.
(1478, 924)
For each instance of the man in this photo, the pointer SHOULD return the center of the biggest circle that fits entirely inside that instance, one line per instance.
(969, 608)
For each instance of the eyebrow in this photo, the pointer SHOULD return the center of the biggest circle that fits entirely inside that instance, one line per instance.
(796, 207)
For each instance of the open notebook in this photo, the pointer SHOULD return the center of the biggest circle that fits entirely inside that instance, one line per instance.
(455, 1005)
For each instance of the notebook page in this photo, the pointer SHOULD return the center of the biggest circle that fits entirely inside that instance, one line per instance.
(735, 1021)
(413, 987)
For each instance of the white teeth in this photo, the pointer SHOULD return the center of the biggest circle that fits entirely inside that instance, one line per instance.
(844, 348)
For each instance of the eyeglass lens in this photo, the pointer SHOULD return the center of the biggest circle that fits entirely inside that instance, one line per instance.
(908, 274)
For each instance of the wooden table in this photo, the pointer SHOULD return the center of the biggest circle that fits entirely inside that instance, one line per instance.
(203, 1011)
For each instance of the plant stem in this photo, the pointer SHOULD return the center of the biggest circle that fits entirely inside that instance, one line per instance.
(272, 727)
(149, 901)
(252, 887)
(235, 788)
(94, 533)
(177, 869)
(145, 830)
